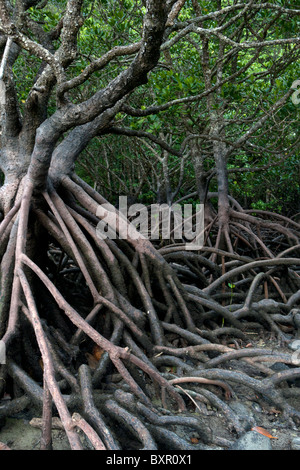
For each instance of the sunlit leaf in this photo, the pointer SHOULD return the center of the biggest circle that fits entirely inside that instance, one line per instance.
(263, 431)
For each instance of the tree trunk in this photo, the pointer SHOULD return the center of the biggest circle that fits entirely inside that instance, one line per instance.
(96, 328)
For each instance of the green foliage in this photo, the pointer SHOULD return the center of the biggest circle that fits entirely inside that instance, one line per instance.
(239, 100)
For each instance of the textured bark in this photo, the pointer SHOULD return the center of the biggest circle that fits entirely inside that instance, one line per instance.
(96, 329)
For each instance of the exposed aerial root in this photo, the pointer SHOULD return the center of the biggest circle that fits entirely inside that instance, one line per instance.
(119, 338)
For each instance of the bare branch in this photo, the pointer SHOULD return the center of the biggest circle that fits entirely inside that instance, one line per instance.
(148, 135)
(97, 65)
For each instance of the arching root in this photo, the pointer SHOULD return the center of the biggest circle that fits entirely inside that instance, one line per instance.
(102, 332)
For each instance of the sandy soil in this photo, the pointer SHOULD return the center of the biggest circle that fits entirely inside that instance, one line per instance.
(18, 434)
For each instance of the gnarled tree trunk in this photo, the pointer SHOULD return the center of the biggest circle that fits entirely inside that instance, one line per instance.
(90, 324)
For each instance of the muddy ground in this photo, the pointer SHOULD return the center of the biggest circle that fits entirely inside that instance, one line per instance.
(19, 434)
